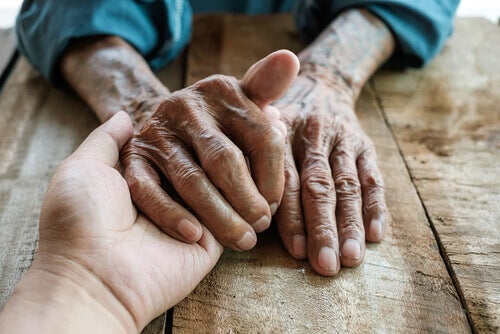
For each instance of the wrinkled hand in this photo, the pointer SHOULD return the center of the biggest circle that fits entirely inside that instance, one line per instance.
(89, 228)
(196, 145)
(334, 195)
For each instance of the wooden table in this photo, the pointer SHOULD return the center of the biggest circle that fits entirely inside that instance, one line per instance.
(437, 133)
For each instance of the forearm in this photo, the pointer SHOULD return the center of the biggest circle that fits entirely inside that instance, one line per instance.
(48, 302)
(111, 76)
(349, 50)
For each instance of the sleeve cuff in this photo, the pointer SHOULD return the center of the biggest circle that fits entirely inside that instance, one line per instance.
(45, 27)
(420, 27)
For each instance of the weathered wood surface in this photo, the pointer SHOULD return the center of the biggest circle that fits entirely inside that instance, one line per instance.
(446, 119)
(40, 127)
(403, 285)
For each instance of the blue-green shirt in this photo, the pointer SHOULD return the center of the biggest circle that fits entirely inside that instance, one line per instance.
(160, 29)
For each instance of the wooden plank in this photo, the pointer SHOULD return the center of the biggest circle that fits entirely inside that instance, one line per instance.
(403, 285)
(446, 119)
(40, 126)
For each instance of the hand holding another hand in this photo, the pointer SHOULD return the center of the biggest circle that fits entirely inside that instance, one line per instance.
(195, 146)
(101, 266)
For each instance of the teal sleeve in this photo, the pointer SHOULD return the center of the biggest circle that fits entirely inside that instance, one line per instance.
(158, 29)
(420, 27)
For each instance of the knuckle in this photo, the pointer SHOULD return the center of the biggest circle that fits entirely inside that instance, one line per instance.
(176, 103)
(132, 150)
(374, 181)
(322, 230)
(347, 140)
(274, 137)
(315, 161)
(217, 82)
(374, 203)
(343, 151)
(350, 226)
(187, 176)
(318, 186)
(313, 126)
(219, 155)
(315, 120)
(348, 185)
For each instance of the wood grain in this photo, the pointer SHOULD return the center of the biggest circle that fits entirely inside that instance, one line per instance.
(40, 127)
(402, 287)
(446, 119)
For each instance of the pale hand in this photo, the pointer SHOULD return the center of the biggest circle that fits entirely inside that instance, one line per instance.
(91, 235)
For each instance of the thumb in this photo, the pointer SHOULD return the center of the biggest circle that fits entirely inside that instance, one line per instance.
(270, 77)
(105, 142)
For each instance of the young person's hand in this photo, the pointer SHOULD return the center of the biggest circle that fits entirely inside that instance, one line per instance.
(101, 266)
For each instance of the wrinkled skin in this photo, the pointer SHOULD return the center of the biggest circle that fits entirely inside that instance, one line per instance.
(333, 196)
(197, 143)
(180, 186)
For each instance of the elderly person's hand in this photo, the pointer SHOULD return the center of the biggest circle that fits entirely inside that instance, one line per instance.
(100, 266)
(211, 154)
(333, 190)
(334, 194)
(197, 144)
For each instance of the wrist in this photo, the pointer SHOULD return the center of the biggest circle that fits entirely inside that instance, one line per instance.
(61, 297)
(351, 48)
(111, 76)
(341, 84)
(142, 109)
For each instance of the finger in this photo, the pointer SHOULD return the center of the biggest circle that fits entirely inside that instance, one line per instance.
(226, 167)
(274, 116)
(269, 78)
(348, 211)
(105, 142)
(265, 148)
(250, 129)
(318, 205)
(211, 245)
(263, 142)
(195, 188)
(289, 215)
(154, 202)
(374, 206)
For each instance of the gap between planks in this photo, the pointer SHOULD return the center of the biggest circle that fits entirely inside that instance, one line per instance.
(442, 249)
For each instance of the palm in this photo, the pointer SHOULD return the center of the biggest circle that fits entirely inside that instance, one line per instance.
(146, 270)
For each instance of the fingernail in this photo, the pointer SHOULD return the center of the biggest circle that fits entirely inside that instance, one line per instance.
(327, 259)
(299, 246)
(273, 208)
(351, 249)
(376, 229)
(262, 224)
(188, 230)
(247, 241)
